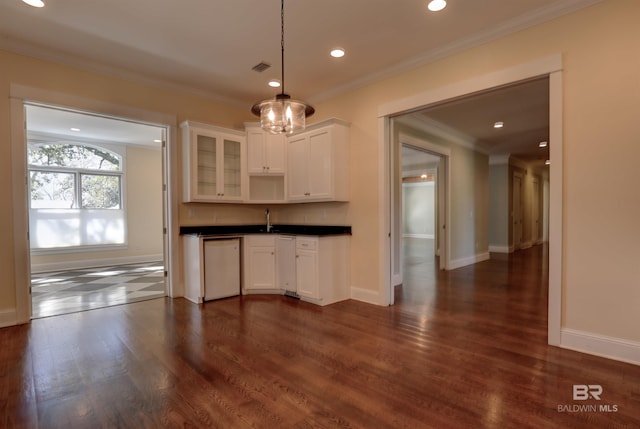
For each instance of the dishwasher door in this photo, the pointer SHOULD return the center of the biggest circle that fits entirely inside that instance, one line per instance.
(286, 261)
(221, 268)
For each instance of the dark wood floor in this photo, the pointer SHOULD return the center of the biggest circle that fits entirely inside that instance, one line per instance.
(462, 349)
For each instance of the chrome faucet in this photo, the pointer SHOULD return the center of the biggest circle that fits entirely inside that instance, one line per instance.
(266, 213)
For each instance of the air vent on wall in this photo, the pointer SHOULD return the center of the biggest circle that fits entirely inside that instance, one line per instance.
(260, 67)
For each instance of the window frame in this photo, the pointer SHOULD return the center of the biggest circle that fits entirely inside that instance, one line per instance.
(114, 149)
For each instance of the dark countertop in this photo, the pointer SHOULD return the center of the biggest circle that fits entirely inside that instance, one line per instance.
(262, 229)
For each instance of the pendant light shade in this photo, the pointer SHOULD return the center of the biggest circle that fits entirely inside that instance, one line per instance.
(282, 115)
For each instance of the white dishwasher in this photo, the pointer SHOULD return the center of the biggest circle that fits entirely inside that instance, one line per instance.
(221, 268)
(286, 260)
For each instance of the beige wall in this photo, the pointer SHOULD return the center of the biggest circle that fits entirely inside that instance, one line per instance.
(107, 91)
(601, 104)
(499, 208)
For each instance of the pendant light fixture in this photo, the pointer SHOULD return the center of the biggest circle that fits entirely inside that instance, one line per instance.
(282, 114)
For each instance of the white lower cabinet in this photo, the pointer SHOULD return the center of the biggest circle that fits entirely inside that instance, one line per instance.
(318, 271)
(260, 263)
(307, 278)
(322, 268)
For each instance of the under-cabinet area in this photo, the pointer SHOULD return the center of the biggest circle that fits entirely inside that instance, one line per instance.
(314, 268)
(253, 166)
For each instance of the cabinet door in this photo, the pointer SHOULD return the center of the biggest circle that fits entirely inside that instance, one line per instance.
(298, 152)
(274, 153)
(265, 152)
(230, 169)
(320, 166)
(307, 273)
(262, 268)
(255, 151)
(206, 160)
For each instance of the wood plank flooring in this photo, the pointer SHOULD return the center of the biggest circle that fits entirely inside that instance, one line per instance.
(462, 349)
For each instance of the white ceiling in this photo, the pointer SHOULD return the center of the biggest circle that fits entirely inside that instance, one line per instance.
(209, 47)
(522, 107)
(56, 125)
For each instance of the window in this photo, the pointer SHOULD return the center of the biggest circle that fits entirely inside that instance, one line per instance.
(75, 196)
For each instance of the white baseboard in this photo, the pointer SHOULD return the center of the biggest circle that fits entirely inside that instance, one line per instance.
(500, 249)
(90, 263)
(8, 318)
(601, 345)
(463, 262)
(429, 236)
(365, 295)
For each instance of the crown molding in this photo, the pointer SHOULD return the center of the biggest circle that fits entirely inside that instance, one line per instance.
(438, 129)
(520, 23)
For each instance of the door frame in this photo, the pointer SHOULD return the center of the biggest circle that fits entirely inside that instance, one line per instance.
(19, 95)
(443, 204)
(517, 211)
(550, 67)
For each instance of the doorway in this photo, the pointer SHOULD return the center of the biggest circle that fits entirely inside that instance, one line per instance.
(549, 68)
(422, 214)
(96, 204)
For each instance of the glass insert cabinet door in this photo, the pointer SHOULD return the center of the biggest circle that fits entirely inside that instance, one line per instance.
(207, 183)
(219, 173)
(232, 164)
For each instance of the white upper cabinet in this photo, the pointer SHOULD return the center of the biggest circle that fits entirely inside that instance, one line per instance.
(265, 152)
(318, 163)
(213, 163)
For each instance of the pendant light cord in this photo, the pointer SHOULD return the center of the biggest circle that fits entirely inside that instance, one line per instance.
(282, 42)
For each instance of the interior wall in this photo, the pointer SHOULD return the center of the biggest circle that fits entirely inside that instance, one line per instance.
(601, 99)
(499, 208)
(418, 209)
(65, 82)
(469, 205)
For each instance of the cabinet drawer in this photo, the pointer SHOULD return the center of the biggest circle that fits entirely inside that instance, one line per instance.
(306, 243)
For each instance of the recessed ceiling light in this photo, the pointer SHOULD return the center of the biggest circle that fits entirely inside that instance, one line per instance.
(436, 5)
(498, 124)
(75, 129)
(543, 144)
(337, 53)
(34, 3)
(274, 83)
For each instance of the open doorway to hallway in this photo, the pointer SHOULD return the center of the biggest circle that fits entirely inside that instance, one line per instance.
(498, 141)
(421, 216)
(96, 210)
